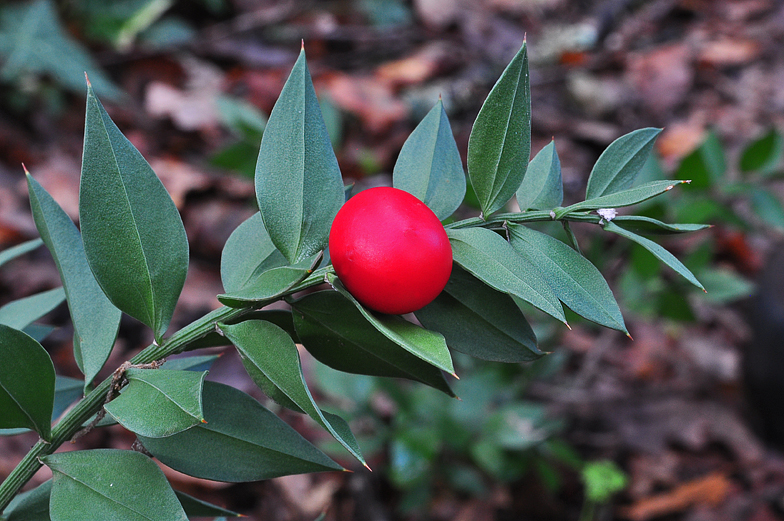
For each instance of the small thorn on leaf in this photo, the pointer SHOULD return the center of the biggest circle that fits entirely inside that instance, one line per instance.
(87, 79)
(27, 172)
(630, 336)
(302, 47)
(567, 325)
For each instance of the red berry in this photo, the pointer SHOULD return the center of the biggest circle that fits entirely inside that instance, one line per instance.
(390, 250)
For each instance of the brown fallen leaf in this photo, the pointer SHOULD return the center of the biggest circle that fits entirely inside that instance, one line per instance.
(426, 63)
(710, 490)
(662, 76)
(729, 52)
(372, 100)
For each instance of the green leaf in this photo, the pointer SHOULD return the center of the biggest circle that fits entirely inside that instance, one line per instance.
(195, 507)
(95, 320)
(491, 259)
(706, 165)
(32, 40)
(724, 286)
(133, 234)
(241, 441)
(26, 383)
(298, 183)
(191, 363)
(479, 321)
(642, 224)
(658, 251)
(19, 314)
(500, 143)
(619, 164)
(767, 207)
(575, 281)
(427, 345)
(66, 392)
(159, 402)
(542, 187)
(764, 154)
(111, 485)
(32, 505)
(622, 198)
(602, 480)
(20, 249)
(248, 253)
(429, 165)
(336, 333)
(270, 357)
(271, 284)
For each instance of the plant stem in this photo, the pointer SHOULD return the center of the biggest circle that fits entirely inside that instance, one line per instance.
(522, 217)
(74, 419)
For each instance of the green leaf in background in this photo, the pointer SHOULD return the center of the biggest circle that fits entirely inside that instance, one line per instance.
(427, 345)
(95, 320)
(575, 281)
(190, 363)
(298, 183)
(133, 234)
(642, 224)
(32, 505)
(20, 249)
(622, 198)
(705, 166)
(491, 259)
(764, 154)
(767, 207)
(620, 162)
(19, 314)
(66, 392)
(241, 117)
(271, 284)
(112, 485)
(241, 441)
(336, 333)
(724, 286)
(26, 383)
(195, 507)
(270, 357)
(499, 147)
(658, 251)
(32, 40)
(477, 320)
(602, 480)
(248, 253)
(159, 402)
(542, 187)
(429, 165)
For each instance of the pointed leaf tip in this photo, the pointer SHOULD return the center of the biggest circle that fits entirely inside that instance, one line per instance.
(87, 80)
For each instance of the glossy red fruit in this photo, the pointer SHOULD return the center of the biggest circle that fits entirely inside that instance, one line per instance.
(390, 250)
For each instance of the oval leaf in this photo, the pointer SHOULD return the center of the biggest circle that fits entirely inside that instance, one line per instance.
(19, 314)
(95, 320)
(764, 154)
(336, 333)
(159, 402)
(575, 281)
(429, 165)
(26, 383)
(112, 485)
(427, 345)
(270, 284)
(241, 441)
(298, 183)
(248, 253)
(479, 321)
(20, 249)
(133, 234)
(271, 359)
(500, 143)
(619, 164)
(491, 259)
(659, 252)
(66, 392)
(542, 187)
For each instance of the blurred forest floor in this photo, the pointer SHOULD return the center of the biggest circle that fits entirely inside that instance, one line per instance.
(668, 408)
